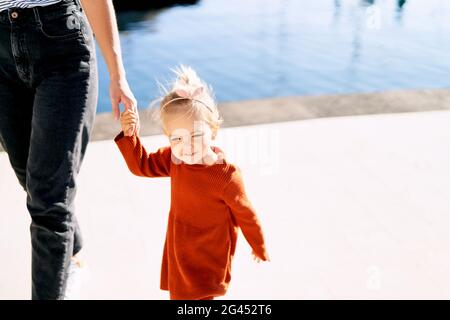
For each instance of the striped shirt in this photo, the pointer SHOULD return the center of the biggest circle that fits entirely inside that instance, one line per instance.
(6, 4)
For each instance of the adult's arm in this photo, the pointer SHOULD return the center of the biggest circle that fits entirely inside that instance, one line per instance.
(102, 19)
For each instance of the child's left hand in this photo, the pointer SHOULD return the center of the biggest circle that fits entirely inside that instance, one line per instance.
(256, 258)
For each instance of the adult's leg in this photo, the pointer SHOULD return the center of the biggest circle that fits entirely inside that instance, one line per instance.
(15, 125)
(16, 102)
(63, 113)
(61, 126)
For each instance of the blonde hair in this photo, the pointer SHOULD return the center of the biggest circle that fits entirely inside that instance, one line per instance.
(203, 105)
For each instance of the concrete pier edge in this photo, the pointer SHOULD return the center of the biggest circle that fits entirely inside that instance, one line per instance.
(258, 111)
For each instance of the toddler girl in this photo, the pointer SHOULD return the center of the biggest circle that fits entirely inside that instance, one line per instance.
(208, 199)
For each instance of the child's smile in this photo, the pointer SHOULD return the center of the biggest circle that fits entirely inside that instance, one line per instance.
(190, 139)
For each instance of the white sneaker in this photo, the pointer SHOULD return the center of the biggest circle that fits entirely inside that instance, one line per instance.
(75, 275)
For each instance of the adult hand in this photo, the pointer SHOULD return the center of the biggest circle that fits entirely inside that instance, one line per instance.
(120, 92)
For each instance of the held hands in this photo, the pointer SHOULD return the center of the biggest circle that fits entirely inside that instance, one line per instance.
(129, 120)
(120, 93)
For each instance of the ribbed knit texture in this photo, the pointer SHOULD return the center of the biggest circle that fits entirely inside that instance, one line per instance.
(208, 204)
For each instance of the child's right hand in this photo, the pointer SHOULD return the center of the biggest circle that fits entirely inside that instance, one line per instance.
(129, 121)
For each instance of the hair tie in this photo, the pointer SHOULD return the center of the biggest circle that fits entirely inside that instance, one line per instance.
(188, 95)
(185, 94)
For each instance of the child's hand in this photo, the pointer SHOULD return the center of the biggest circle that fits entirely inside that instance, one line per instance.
(256, 258)
(129, 121)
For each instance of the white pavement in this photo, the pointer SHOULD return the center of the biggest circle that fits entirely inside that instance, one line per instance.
(352, 207)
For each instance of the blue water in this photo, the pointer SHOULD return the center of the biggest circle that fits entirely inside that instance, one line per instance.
(270, 48)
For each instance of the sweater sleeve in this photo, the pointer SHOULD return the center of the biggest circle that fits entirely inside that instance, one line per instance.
(141, 163)
(242, 210)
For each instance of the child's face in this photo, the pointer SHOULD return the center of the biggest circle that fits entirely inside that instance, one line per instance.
(190, 138)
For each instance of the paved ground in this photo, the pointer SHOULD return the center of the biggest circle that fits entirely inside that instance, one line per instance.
(352, 207)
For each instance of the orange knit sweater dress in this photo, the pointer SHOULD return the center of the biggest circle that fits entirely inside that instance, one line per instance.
(208, 204)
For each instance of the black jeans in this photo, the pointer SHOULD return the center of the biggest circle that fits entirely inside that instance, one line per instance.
(48, 99)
